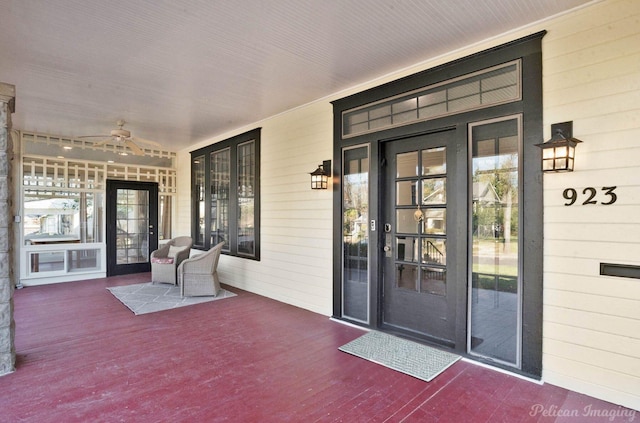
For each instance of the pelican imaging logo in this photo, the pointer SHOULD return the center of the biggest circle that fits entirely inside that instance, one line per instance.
(617, 414)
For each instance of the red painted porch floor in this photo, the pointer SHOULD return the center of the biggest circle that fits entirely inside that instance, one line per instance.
(84, 357)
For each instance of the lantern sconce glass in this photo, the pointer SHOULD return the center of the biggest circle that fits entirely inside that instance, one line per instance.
(558, 153)
(320, 176)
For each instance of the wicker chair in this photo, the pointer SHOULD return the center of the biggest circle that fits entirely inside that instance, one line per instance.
(166, 259)
(198, 276)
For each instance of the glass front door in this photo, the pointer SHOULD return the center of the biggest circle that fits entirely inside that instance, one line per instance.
(132, 217)
(418, 297)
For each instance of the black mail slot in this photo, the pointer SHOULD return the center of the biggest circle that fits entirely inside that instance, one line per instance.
(621, 270)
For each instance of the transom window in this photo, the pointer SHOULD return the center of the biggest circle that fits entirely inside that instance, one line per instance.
(226, 195)
(489, 87)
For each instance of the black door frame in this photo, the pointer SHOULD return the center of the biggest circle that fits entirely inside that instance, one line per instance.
(529, 51)
(113, 269)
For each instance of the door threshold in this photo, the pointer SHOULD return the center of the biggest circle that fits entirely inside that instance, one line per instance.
(353, 325)
(504, 371)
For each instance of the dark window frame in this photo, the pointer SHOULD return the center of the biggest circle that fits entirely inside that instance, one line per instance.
(232, 144)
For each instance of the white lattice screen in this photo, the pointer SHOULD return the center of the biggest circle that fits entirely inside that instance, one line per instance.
(59, 171)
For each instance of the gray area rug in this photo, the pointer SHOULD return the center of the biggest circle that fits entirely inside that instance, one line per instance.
(417, 360)
(148, 297)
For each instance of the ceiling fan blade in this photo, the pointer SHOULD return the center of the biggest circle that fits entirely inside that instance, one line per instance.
(94, 136)
(142, 140)
(136, 150)
(101, 142)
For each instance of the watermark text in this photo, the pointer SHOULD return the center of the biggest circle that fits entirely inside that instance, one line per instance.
(618, 414)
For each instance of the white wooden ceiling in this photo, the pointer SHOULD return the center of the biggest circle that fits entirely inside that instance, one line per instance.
(183, 71)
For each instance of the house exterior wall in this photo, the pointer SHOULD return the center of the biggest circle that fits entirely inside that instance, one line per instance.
(591, 76)
(296, 255)
(591, 323)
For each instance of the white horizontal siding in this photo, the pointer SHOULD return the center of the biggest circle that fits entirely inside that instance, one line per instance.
(570, 376)
(182, 208)
(295, 226)
(594, 250)
(591, 331)
(599, 322)
(595, 303)
(593, 231)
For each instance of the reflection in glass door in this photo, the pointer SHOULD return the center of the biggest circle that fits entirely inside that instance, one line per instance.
(132, 216)
(495, 262)
(132, 226)
(355, 234)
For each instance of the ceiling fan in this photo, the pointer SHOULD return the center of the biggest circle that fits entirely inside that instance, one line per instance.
(123, 137)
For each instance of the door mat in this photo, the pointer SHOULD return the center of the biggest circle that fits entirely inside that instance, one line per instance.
(417, 360)
(143, 298)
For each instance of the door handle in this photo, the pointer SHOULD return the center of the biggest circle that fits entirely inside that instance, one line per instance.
(387, 245)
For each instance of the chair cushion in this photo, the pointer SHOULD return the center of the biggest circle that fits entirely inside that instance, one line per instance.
(162, 260)
(173, 251)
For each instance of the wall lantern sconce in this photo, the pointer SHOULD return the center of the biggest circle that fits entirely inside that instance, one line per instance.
(558, 154)
(320, 176)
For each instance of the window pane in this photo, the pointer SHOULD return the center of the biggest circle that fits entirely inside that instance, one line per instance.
(355, 235)
(434, 191)
(434, 161)
(246, 189)
(467, 89)
(164, 217)
(406, 222)
(220, 183)
(46, 262)
(92, 215)
(82, 260)
(50, 216)
(407, 164)
(226, 195)
(61, 216)
(434, 222)
(434, 251)
(406, 276)
(495, 296)
(407, 249)
(433, 281)
(197, 167)
(406, 193)
(404, 106)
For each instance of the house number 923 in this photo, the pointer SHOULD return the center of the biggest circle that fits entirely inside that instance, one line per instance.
(590, 193)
